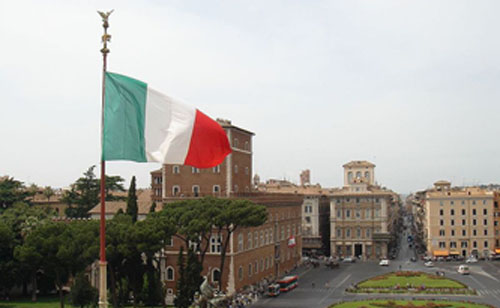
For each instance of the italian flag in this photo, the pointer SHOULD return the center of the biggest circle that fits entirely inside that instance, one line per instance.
(143, 125)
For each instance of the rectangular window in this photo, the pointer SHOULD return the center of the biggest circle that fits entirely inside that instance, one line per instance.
(452, 232)
(339, 213)
(215, 244)
(442, 244)
(452, 222)
(452, 212)
(339, 232)
(348, 232)
(485, 222)
(485, 212)
(485, 232)
(463, 212)
(441, 222)
(348, 213)
(195, 170)
(474, 232)
(441, 212)
(463, 222)
(441, 232)
(473, 211)
(464, 233)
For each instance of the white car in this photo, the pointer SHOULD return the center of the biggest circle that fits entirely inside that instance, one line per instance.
(429, 264)
(384, 262)
(471, 260)
(463, 269)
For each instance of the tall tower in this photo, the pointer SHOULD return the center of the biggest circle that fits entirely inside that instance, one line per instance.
(305, 177)
(359, 172)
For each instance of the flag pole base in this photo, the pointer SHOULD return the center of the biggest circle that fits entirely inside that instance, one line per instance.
(103, 288)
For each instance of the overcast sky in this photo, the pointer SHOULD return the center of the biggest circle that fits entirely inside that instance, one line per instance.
(412, 86)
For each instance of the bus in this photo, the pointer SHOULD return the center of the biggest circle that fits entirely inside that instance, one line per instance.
(273, 290)
(288, 283)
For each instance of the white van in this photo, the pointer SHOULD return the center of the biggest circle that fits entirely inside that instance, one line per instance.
(463, 269)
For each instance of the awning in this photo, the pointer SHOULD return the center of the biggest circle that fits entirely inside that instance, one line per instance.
(440, 253)
(454, 253)
(497, 251)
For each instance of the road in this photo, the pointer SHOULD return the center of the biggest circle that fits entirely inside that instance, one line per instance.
(330, 284)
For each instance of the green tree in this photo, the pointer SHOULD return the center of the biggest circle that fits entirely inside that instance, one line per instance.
(85, 192)
(48, 192)
(83, 294)
(132, 208)
(22, 219)
(182, 300)
(235, 214)
(67, 248)
(11, 191)
(7, 264)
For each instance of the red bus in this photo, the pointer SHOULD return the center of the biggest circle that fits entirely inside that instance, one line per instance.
(288, 283)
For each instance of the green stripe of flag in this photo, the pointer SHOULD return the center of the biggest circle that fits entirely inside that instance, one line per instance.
(124, 119)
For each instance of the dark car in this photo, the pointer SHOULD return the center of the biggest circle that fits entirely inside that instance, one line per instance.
(413, 259)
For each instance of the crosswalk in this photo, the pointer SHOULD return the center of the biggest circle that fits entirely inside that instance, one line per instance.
(488, 291)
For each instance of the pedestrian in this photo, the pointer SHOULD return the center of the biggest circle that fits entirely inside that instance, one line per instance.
(312, 284)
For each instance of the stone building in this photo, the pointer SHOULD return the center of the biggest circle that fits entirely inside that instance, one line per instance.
(315, 209)
(361, 214)
(255, 255)
(232, 176)
(459, 221)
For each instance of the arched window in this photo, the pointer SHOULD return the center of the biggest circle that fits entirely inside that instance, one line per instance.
(215, 275)
(367, 175)
(249, 269)
(170, 273)
(349, 177)
(256, 239)
(196, 190)
(240, 273)
(176, 190)
(249, 237)
(176, 169)
(240, 242)
(358, 175)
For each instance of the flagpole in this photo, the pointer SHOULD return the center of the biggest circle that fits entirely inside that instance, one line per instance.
(103, 302)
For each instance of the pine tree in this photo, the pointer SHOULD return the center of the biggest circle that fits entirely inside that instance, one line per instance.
(182, 300)
(132, 208)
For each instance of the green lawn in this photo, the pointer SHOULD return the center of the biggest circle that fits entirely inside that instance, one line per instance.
(44, 302)
(392, 279)
(412, 304)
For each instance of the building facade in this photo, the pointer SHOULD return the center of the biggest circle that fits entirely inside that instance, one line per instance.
(459, 221)
(255, 256)
(234, 175)
(360, 214)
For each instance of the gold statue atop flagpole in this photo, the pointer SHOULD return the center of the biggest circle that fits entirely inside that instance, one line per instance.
(105, 37)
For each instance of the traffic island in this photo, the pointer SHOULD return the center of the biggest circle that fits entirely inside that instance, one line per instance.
(412, 282)
(378, 303)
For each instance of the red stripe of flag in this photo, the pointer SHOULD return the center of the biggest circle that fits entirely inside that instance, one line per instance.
(209, 144)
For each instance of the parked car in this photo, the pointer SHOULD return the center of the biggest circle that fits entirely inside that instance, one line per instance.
(349, 260)
(463, 269)
(413, 259)
(429, 264)
(384, 262)
(471, 259)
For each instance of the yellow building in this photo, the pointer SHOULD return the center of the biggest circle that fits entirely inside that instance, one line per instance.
(459, 221)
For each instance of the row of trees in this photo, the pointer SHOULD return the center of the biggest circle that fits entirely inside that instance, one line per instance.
(36, 250)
